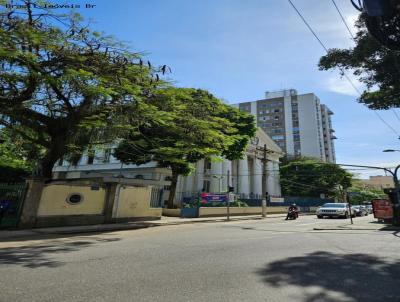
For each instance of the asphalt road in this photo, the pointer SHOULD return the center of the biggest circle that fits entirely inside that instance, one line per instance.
(263, 260)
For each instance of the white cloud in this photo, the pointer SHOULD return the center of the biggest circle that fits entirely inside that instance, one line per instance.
(342, 86)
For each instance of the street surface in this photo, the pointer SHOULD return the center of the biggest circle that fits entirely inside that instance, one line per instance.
(260, 260)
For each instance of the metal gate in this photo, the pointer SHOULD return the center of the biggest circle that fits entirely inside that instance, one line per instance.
(11, 200)
(156, 200)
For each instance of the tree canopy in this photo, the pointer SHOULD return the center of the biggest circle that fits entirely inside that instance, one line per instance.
(197, 126)
(307, 177)
(15, 155)
(61, 82)
(373, 64)
(361, 193)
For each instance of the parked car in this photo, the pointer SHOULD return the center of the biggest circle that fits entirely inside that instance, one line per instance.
(370, 209)
(335, 210)
(360, 210)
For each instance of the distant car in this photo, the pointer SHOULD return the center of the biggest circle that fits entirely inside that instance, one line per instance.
(335, 210)
(360, 210)
(370, 209)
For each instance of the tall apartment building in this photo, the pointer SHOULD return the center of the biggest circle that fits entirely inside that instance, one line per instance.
(329, 134)
(298, 123)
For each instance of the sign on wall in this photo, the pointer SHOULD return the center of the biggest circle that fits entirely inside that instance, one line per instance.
(215, 199)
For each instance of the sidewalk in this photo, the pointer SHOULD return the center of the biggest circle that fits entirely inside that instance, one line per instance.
(7, 235)
(357, 226)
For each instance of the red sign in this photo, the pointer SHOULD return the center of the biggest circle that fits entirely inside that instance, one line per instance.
(382, 208)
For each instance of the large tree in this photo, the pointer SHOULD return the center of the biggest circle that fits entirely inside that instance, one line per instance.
(61, 83)
(373, 64)
(198, 126)
(309, 177)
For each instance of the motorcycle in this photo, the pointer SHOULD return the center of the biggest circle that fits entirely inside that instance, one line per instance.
(293, 214)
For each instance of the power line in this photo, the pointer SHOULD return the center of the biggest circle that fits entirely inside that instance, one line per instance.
(341, 69)
(355, 88)
(343, 19)
(395, 113)
(308, 25)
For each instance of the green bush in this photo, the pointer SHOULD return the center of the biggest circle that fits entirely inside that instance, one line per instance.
(13, 174)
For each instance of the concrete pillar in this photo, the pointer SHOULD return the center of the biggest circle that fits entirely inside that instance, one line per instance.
(188, 189)
(179, 189)
(109, 204)
(199, 176)
(257, 178)
(226, 166)
(31, 204)
(270, 178)
(216, 174)
(243, 177)
(234, 176)
(278, 191)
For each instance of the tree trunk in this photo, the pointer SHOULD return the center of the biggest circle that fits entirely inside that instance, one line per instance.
(53, 154)
(47, 165)
(172, 191)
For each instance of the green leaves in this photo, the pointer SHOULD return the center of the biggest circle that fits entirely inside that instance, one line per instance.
(373, 64)
(310, 178)
(196, 125)
(68, 85)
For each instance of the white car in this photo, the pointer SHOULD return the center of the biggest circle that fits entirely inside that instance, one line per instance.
(335, 210)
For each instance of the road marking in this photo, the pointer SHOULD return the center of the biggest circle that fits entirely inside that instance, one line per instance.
(309, 223)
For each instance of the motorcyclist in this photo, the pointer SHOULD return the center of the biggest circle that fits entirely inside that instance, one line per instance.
(292, 208)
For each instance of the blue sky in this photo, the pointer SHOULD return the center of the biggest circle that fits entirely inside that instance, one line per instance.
(238, 49)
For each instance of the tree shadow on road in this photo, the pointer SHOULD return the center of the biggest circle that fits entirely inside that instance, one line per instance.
(328, 277)
(44, 255)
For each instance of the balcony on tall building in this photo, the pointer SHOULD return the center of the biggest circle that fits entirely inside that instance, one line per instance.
(330, 112)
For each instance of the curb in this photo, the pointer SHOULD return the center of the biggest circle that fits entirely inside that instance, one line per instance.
(141, 225)
(113, 227)
(354, 229)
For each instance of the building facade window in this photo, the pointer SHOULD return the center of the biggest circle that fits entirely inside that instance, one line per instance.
(75, 198)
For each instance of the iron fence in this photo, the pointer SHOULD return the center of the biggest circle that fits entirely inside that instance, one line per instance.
(11, 200)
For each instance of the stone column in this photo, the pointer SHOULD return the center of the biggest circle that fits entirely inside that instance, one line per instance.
(111, 190)
(257, 178)
(243, 177)
(199, 176)
(216, 174)
(226, 166)
(188, 188)
(278, 191)
(31, 204)
(270, 178)
(179, 189)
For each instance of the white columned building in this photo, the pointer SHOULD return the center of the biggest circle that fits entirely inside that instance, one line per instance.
(245, 175)
(217, 176)
(257, 177)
